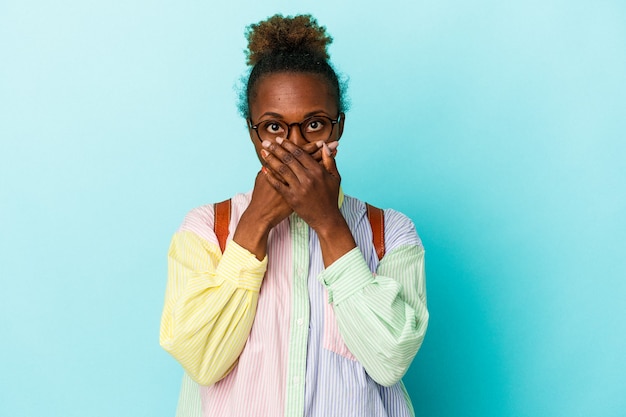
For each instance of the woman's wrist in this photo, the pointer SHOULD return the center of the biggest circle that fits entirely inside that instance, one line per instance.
(330, 226)
(251, 234)
(335, 239)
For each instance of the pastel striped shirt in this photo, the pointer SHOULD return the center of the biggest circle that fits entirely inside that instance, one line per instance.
(286, 336)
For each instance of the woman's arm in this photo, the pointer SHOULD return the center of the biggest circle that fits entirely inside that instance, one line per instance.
(211, 299)
(210, 304)
(382, 317)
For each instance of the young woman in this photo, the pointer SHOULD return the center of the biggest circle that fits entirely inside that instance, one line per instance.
(297, 316)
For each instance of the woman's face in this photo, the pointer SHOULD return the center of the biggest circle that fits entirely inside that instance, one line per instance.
(291, 98)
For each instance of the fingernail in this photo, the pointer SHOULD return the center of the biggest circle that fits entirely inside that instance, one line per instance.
(327, 150)
(280, 140)
(333, 145)
(264, 153)
(264, 170)
(266, 143)
(319, 143)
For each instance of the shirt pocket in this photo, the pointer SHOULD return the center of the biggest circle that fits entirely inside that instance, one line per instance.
(332, 338)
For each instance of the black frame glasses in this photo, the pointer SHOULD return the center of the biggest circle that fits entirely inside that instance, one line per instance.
(288, 126)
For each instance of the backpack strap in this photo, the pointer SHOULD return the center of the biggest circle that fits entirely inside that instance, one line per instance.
(376, 217)
(221, 222)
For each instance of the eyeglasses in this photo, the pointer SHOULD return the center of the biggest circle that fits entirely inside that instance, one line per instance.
(313, 129)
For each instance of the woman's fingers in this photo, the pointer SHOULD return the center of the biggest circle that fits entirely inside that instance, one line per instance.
(286, 160)
(281, 163)
(313, 149)
(268, 165)
(291, 164)
(328, 161)
(304, 158)
(274, 181)
(310, 187)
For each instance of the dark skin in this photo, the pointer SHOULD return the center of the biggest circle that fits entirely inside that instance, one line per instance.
(297, 175)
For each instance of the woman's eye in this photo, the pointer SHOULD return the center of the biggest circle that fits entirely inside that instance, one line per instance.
(273, 127)
(314, 125)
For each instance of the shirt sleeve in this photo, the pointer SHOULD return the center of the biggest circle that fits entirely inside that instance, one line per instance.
(382, 317)
(210, 304)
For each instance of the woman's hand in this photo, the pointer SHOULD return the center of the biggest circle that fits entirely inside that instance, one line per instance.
(266, 209)
(267, 205)
(311, 189)
(315, 149)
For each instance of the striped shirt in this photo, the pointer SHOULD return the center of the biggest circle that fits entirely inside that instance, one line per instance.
(286, 336)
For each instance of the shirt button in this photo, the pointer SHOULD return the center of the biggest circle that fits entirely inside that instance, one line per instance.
(296, 380)
(300, 271)
(300, 322)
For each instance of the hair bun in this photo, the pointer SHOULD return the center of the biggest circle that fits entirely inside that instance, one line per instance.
(291, 34)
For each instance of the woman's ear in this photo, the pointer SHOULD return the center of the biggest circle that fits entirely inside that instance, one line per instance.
(342, 118)
(251, 131)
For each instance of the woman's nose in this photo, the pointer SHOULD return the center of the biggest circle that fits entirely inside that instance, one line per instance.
(295, 136)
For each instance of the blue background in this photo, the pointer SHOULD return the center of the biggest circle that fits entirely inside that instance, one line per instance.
(497, 126)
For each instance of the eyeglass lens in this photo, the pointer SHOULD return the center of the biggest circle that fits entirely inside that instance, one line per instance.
(312, 129)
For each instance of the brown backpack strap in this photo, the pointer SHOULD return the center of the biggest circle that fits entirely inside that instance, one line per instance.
(221, 222)
(375, 216)
(377, 222)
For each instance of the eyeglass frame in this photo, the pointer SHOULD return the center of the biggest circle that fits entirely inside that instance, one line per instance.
(333, 122)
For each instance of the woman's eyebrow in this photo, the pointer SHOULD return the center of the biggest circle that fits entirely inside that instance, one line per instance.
(313, 113)
(306, 116)
(272, 114)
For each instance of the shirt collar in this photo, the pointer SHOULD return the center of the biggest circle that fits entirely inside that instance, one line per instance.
(340, 202)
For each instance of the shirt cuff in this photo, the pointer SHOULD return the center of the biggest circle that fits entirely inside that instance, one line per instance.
(346, 276)
(241, 267)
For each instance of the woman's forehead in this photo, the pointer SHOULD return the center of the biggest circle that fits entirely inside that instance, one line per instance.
(292, 94)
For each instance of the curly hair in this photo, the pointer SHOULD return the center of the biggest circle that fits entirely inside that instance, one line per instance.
(289, 44)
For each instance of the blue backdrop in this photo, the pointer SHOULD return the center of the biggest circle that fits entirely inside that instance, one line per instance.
(497, 126)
